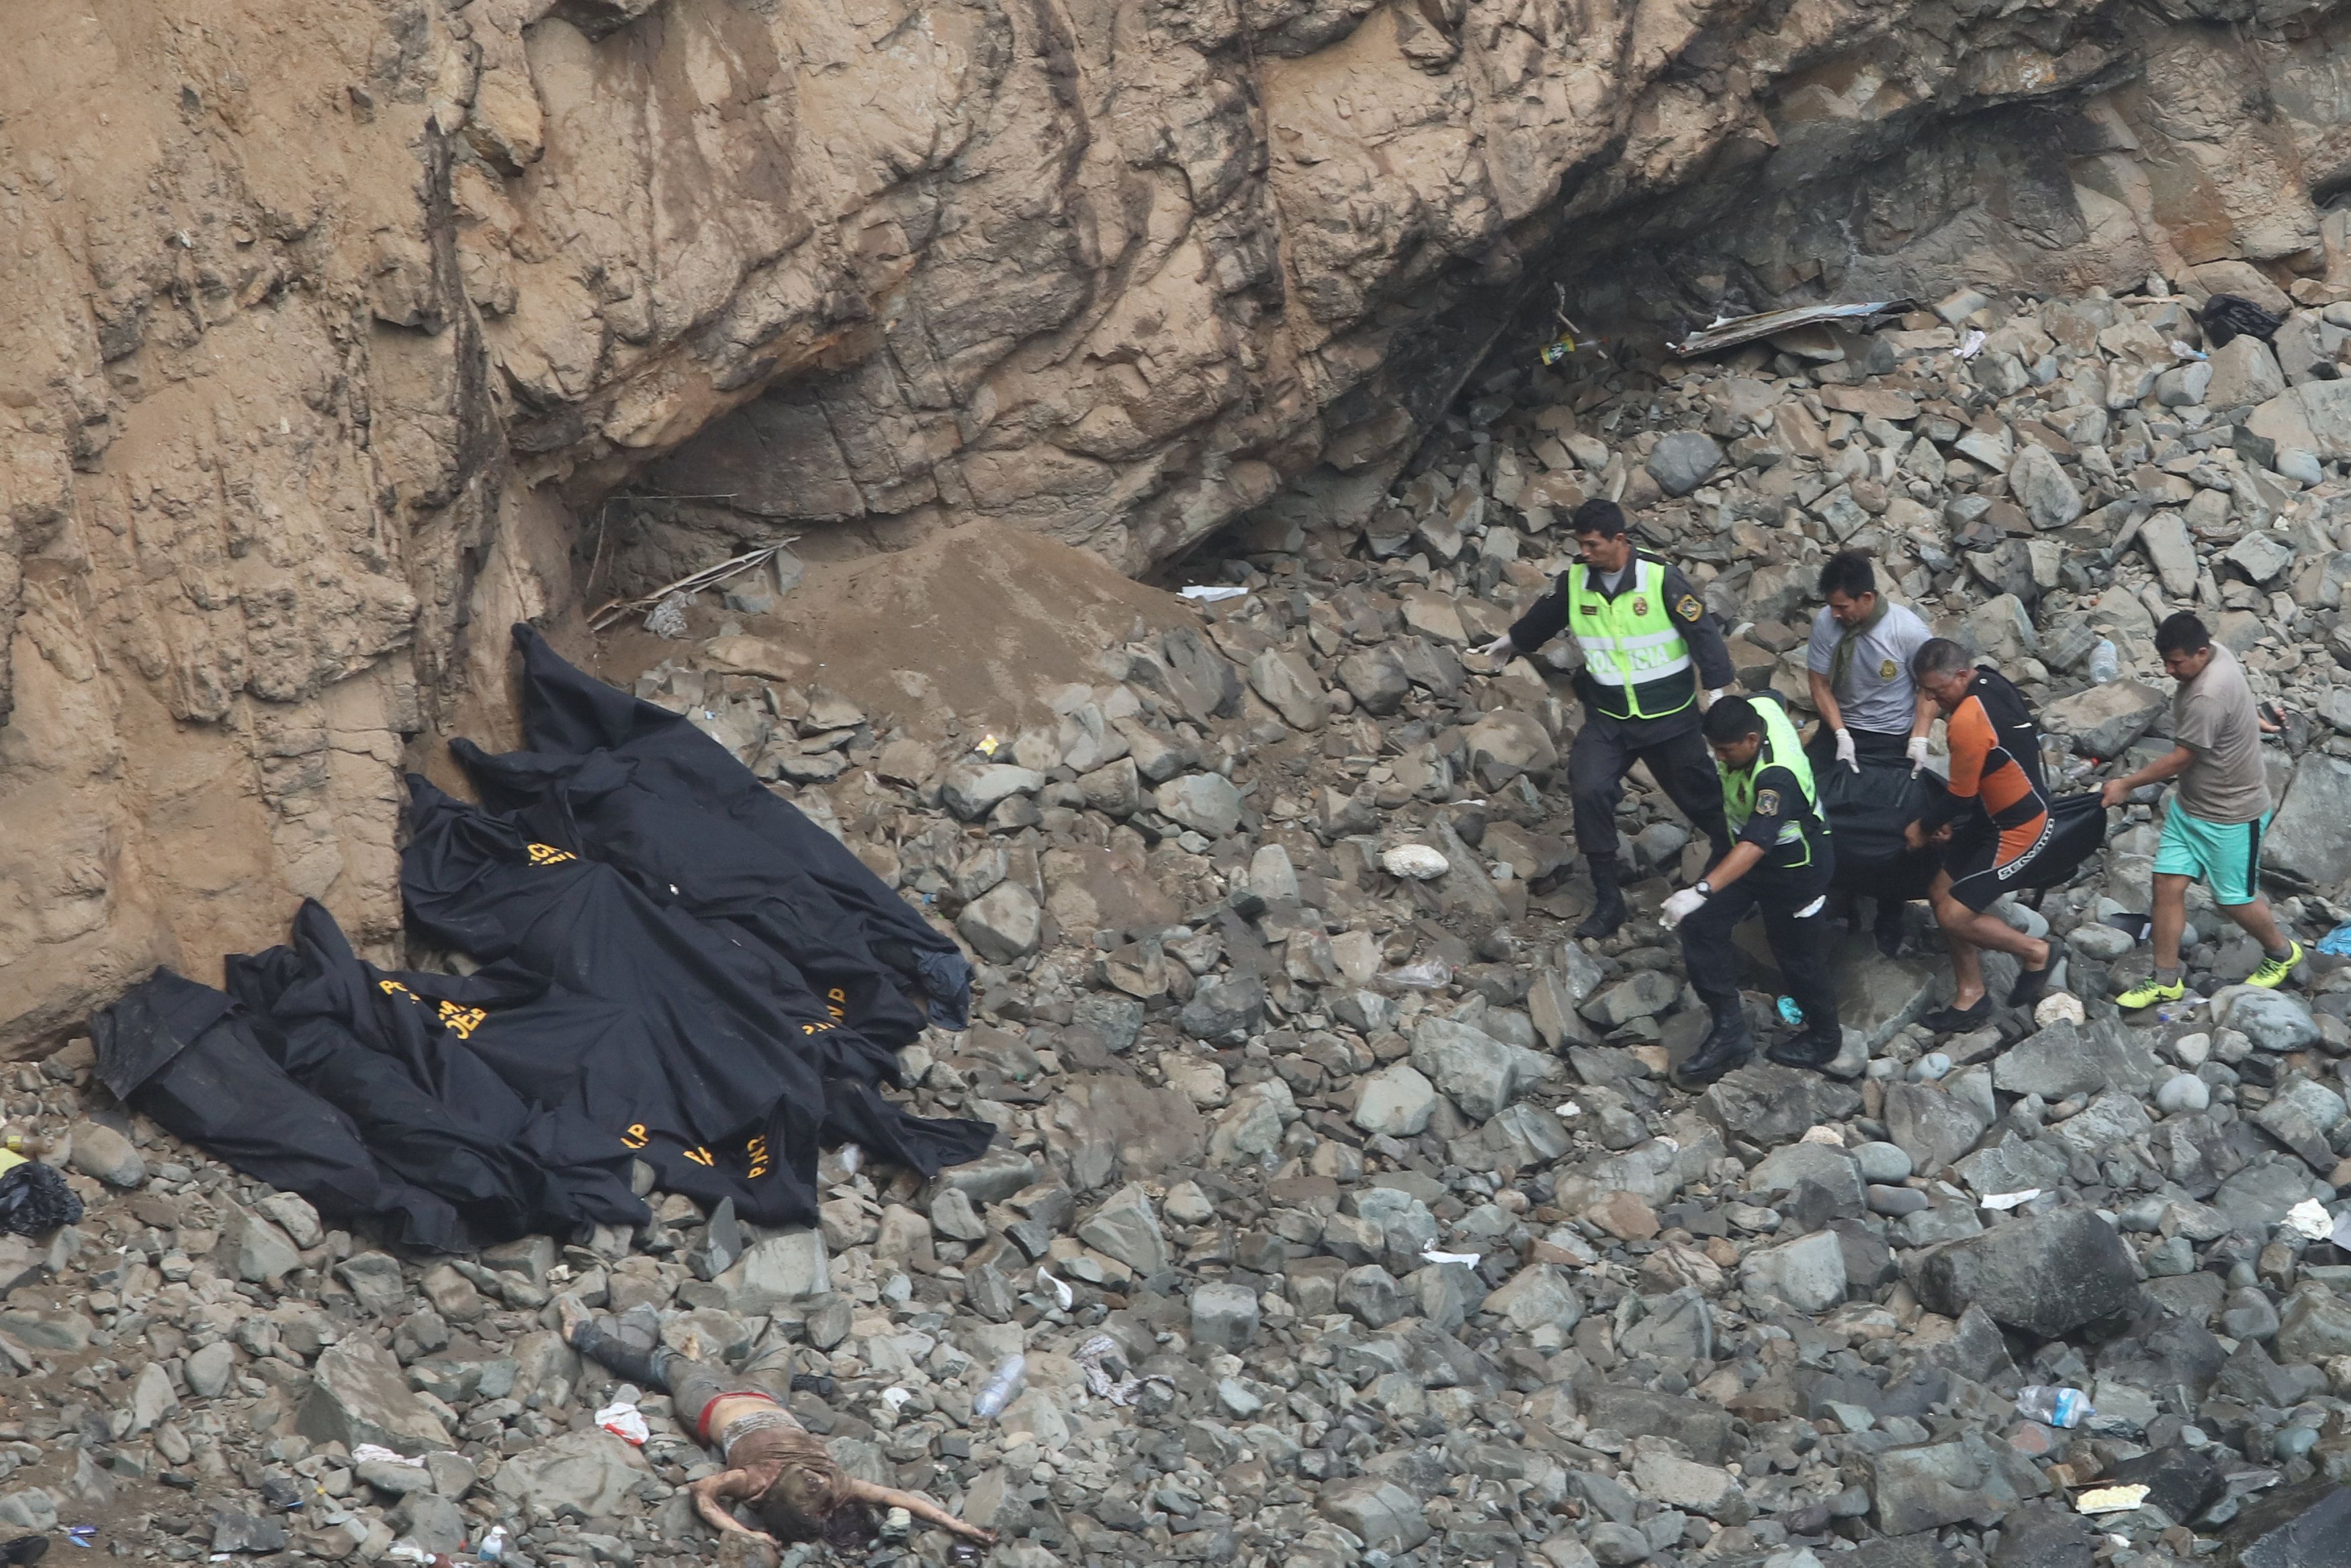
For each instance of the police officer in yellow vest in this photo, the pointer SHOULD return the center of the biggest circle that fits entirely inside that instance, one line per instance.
(1649, 642)
(1782, 862)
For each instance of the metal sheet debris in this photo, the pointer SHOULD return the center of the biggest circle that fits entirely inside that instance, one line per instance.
(1729, 331)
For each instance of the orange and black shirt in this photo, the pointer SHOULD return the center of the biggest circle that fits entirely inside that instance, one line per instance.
(1995, 765)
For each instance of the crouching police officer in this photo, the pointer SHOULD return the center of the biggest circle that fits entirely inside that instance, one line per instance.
(1782, 861)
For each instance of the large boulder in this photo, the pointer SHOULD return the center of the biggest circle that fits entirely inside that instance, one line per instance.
(2047, 1276)
(2306, 842)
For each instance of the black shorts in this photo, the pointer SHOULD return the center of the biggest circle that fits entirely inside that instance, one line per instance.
(1984, 861)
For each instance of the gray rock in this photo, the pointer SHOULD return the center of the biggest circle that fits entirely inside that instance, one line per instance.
(1644, 993)
(31, 1508)
(1225, 1009)
(2105, 720)
(2259, 557)
(1127, 1227)
(2047, 1276)
(292, 1213)
(2300, 1116)
(1375, 678)
(1397, 1101)
(1480, 1074)
(393, 1479)
(2002, 629)
(358, 1394)
(1768, 1104)
(787, 1267)
(432, 1521)
(1885, 1162)
(2314, 1327)
(1807, 1274)
(972, 790)
(101, 1152)
(2013, 1163)
(1224, 1316)
(1199, 678)
(1876, 996)
(1935, 1130)
(1206, 803)
(2164, 537)
(375, 1279)
(2108, 1122)
(2244, 372)
(1536, 1295)
(2183, 1094)
(2065, 1059)
(1939, 1484)
(2037, 482)
(1381, 1513)
(1616, 1545)
(1504, 743)
(2271, 1019)
(209, 1369)
(1371, 1295)
(592, 1471)
(1681, 461)
(1003, 924)
(265, 1254)
(152, 1397)
(1667, 1477)
(1290, 688)
(2306, 844)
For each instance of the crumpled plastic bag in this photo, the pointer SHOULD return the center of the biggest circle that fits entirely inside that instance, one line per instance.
(2226, 316)
(1090, 1358)
(36, 1200)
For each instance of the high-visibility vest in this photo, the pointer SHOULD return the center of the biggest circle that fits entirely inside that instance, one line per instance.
(1782, 748)
(1634, 653)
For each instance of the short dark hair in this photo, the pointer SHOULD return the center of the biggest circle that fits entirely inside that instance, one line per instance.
(1732, 718)
(1939, 656)
(1847, 572)
(2182, 633)
(1601, 517)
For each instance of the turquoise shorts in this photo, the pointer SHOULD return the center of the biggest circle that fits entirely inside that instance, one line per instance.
(2226, 856)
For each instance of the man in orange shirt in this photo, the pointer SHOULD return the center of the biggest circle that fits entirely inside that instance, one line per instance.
(1992, 823)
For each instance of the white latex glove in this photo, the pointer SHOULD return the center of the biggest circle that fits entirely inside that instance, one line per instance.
(1501, 649)
(1681, 906)
(1846, 753)
(1717, 695)
(1917, 750)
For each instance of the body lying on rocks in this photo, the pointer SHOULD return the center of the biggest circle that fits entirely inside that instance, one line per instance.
(775, 1467)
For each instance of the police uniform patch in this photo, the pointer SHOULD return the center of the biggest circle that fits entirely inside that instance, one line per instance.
(1766, 803)
(1688, 608)
(1886, 670)
(1640, 604)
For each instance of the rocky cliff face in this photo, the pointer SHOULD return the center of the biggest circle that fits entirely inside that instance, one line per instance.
(338, 329)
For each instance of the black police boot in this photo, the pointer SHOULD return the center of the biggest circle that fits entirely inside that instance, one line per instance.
(1608, 907)
(1727, 1045)
(1815, 1049)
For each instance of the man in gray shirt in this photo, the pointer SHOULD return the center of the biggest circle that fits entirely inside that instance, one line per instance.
(1859, 660)
(2214, 827)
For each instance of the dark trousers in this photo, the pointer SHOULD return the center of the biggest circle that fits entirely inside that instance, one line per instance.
(691, 1386)
(1800, 945)
(1675, 751)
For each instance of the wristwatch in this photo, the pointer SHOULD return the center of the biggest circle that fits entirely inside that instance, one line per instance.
(1705, 890)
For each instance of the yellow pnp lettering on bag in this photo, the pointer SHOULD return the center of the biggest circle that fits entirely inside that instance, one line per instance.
(549, 855)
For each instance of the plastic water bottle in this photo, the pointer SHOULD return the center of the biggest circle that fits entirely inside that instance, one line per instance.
(2105, 665)
(1000, 1389)
(2054, 1406)
(493, 1548)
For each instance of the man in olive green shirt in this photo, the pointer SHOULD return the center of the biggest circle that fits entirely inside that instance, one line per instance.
(2214, 827)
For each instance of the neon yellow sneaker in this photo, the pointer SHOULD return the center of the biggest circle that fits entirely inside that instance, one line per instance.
(2150, 990)
(2274, 971)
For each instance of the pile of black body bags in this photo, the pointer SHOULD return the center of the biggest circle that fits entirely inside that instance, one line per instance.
(677, 967)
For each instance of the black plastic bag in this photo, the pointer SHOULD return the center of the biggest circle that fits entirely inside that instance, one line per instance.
(2228, 317)
(36, 1200)
(1867, 812)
